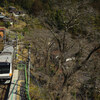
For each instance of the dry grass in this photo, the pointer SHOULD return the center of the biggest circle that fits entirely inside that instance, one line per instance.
(19, 25)
(35, 92)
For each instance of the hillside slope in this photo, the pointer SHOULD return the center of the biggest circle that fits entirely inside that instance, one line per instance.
(65, 48)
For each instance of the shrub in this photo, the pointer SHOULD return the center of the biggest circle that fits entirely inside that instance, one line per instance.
(2, 24)
(7, 24)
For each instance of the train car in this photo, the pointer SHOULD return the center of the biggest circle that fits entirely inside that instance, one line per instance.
(2, 38)
(1, 45)
(6, 59)
(2, 33)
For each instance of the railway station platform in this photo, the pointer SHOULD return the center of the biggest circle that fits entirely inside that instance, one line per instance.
(17, 89)
(13, 87)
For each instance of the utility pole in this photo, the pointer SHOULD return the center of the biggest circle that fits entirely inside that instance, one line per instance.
(29, 65)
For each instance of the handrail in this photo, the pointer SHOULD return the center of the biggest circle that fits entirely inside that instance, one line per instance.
(26, 84)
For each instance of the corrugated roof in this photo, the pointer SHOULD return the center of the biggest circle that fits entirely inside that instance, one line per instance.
(2, 29)
(12, 7)
(2, 16)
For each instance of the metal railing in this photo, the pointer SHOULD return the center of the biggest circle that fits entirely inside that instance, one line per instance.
(26, 84)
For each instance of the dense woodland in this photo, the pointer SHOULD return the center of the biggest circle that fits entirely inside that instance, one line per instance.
(34, 6)
(58, 30)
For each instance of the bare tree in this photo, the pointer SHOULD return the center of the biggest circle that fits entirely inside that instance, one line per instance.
(59, 24)
(52, 51)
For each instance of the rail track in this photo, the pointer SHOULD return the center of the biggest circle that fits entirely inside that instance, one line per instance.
(4, 89)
